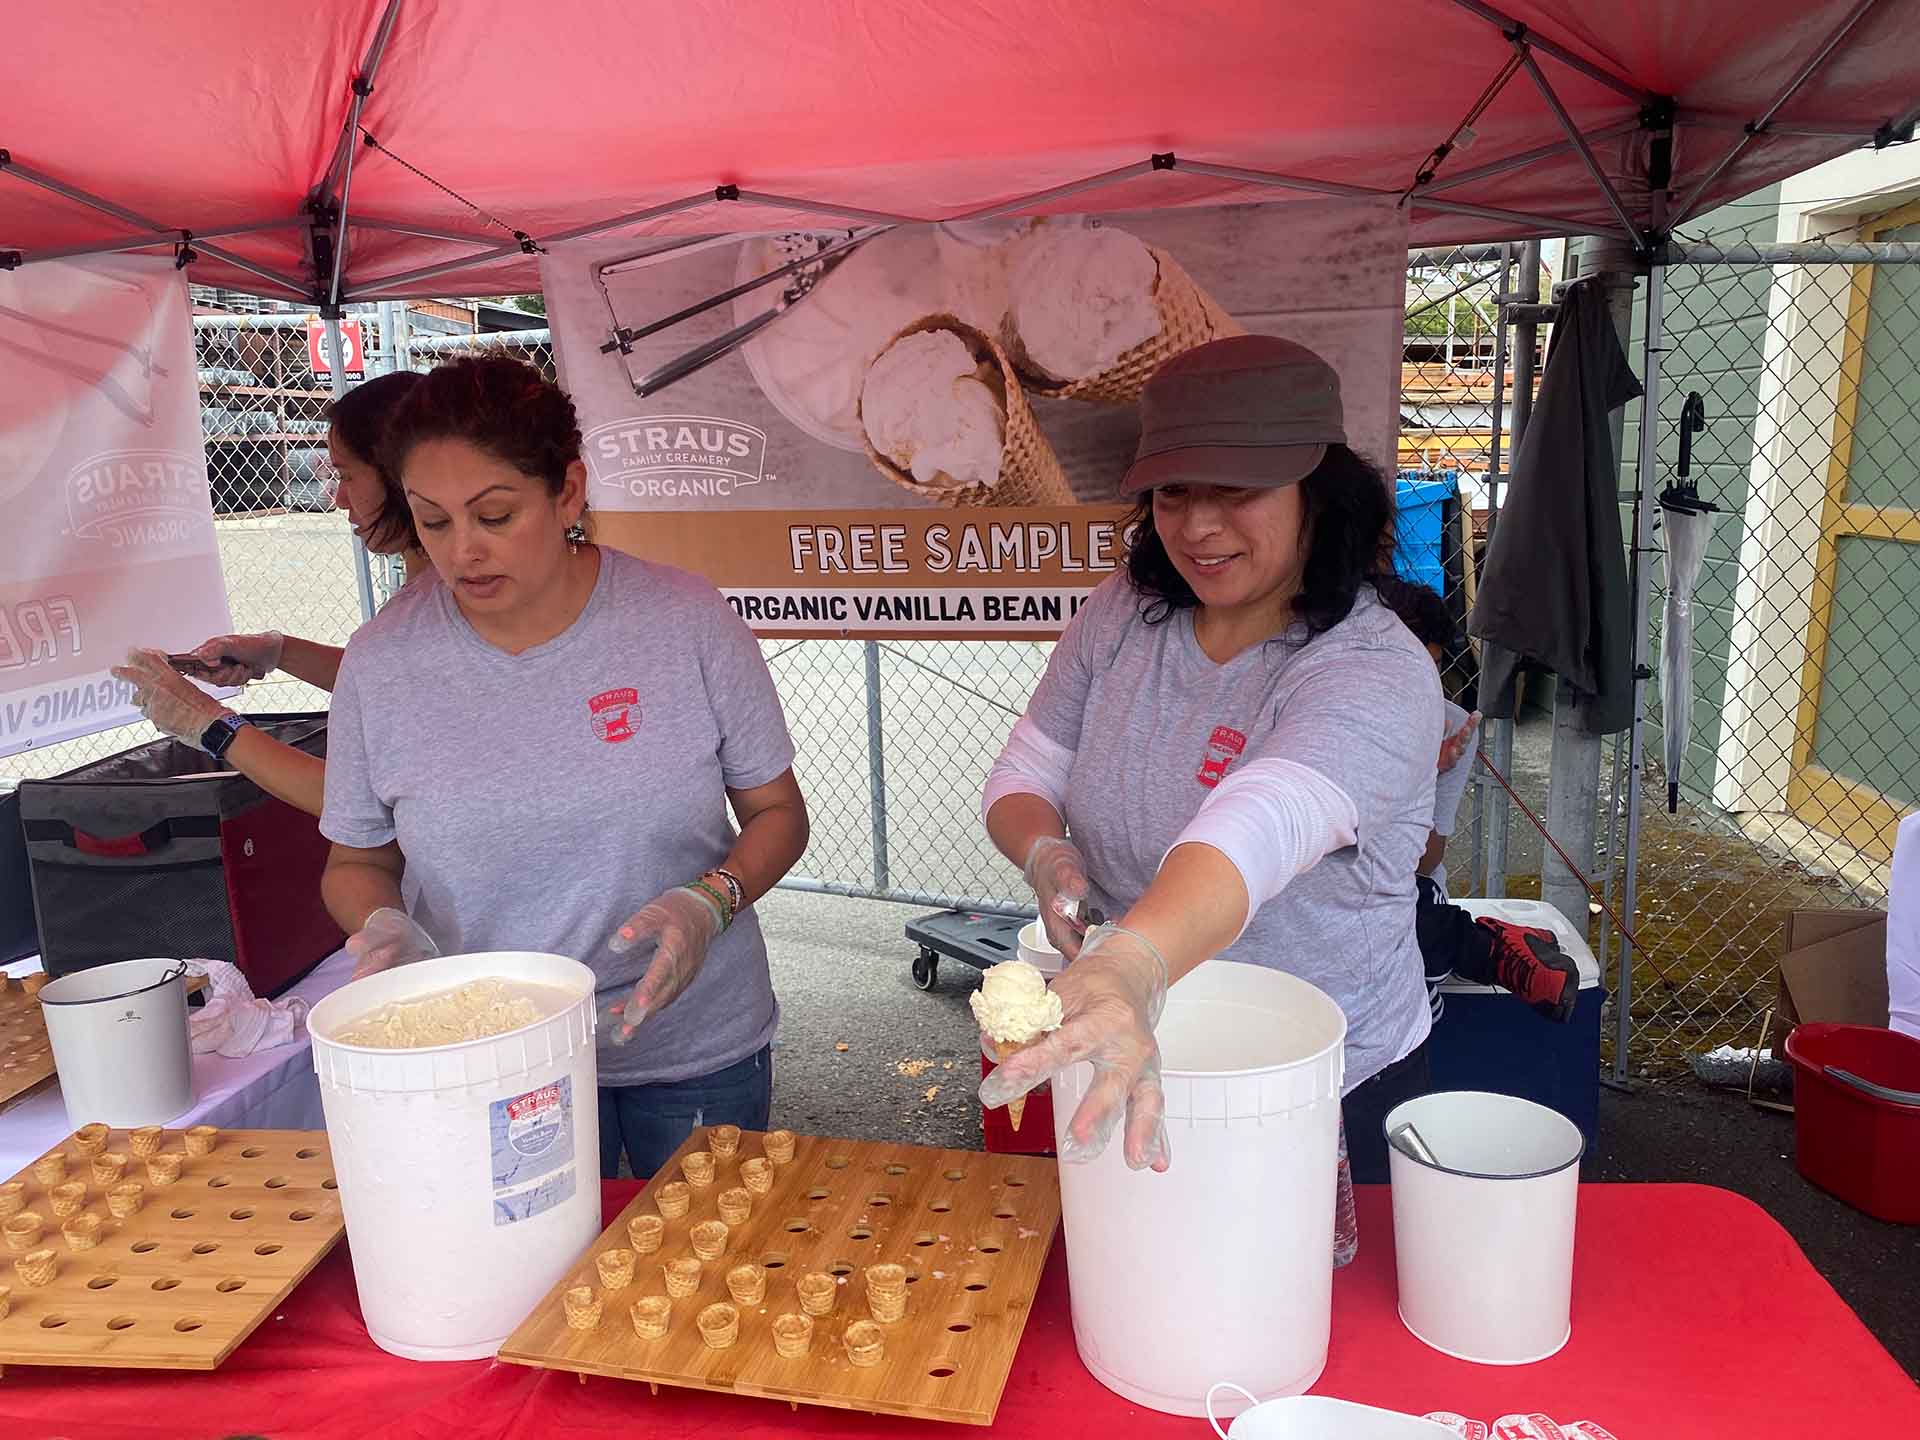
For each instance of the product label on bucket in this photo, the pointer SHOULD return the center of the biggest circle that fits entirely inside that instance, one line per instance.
(532, 1141)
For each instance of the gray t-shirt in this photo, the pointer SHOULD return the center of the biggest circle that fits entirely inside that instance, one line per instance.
(1154, 724)
(541, 798)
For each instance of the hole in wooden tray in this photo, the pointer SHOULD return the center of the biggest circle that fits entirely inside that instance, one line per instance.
(836, 1162)
(774, 1259)
(103, 1282)
(819, 1192)
(300, 1214)
(206, 1247)
(277, 1182)
(1015, 1181)
(243, 1213)
(231, 1284)
(796, 1226)
(976, 1280)
(941, 1206)
(954, 1175)
(329, 1183)
(306, 1154)
(166, 1282)
(141, 1247)
(219, 1182)
(53, 1322)
(252, 1152)
(267, 1249)
(896, 1169)
(942, 1369)
(879, 1199)
(183, 1214)
(187, 1324)
(840, 1267)
(926, 1238)
(991, 1245)
(121, 1322)
(860, 1232)
(1002, 1212)
(960, 1327)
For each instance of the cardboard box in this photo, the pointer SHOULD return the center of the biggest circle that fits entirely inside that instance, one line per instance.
(1833, 969)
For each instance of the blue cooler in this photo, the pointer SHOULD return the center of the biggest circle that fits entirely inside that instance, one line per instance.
(1488, 1039)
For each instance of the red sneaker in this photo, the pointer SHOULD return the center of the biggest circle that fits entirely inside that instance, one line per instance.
(1530, 963)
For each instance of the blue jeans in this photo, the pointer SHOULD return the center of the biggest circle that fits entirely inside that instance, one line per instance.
(649, 1122)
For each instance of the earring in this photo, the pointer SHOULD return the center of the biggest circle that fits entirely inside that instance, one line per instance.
(576, 536)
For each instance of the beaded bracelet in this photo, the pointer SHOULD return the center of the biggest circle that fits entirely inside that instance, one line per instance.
(701, 887)
(735, 890)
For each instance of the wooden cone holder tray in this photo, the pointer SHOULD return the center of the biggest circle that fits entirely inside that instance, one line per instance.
(26, 1055)
(972, 1230)
(182, 1281)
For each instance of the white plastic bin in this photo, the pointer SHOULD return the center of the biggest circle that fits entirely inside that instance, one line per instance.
(1483, 1235)
(120, 1042)
(1037, 950)
(1224, 1264)
(469, 1173)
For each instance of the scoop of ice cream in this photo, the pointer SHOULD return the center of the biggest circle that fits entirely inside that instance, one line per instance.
(1014, 1005)
(1079, 297)
(974, 257)
(927, 410)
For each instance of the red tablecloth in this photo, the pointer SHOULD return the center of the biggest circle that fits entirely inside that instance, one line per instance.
(1695, 1315)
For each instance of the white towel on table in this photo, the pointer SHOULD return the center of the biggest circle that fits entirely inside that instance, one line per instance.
(233, 1021)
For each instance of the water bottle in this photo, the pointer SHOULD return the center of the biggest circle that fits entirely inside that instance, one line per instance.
(1346, 1225)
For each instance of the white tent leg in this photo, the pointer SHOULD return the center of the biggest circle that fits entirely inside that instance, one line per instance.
(337, 360)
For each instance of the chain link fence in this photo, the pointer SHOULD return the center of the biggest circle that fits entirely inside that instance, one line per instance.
(1797, 389)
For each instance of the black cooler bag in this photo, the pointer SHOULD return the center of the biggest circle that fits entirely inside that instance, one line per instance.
(159, 850)
(17, 937)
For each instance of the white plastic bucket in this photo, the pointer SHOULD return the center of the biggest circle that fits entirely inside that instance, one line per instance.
(469, 1173)
(1484, 1231)
(1318, 1417)
(1037, 950)
(120, 1042)
(1225, 1262)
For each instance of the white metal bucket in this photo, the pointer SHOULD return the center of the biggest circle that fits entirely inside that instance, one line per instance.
(469, 1173)
(1237, 1236)
(1037, 950)
(1483, 1229)
(120, 1042)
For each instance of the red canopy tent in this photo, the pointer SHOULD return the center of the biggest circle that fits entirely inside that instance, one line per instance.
(395, 148)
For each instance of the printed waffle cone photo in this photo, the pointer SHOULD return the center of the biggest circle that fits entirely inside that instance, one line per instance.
(1189, 317)
(1030, 473)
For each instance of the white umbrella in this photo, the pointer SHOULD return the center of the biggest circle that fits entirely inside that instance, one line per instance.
(1689, 527)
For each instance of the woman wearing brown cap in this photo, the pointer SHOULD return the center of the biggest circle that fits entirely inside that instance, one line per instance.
(1239, 740)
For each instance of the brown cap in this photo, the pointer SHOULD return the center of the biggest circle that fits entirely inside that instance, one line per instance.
(1253, 410)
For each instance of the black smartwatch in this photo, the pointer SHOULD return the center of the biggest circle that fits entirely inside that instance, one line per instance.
(219, 735)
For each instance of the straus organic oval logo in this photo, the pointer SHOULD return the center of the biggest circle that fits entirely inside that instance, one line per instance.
(615, 713)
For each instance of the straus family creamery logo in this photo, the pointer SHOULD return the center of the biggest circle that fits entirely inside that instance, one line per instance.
(1222, 748)
(657, 457)
(615, 713)
(137, 497)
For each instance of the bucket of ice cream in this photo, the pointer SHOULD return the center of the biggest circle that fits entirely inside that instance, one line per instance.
(463, 1117)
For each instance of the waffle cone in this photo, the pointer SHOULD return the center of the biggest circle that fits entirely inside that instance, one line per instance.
(1030, 473)
(1188, 317)
(779, 1146)
(13, 1199)
(37, 1268)
(90, 1140)
(1004, 1050)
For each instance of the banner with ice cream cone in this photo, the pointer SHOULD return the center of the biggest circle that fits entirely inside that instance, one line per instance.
(922, 434)
(104, 505)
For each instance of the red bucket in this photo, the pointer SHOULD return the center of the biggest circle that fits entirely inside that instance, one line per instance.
(1856, 1104)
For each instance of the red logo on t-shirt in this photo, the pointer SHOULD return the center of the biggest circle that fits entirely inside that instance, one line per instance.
(1222, 746)
(615, 713)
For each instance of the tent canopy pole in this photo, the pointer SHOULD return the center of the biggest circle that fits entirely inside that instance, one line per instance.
(1524, 158)
(155, 242)
(1509, 26)
(1574, 135)
(369, 69)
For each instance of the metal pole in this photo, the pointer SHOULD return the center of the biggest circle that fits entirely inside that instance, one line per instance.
(1812, 252)
(1643, 509)
(1499, 733)
(930, 899)
(337, 358)
(1506, 24)
(1481, 852)
(876, 767)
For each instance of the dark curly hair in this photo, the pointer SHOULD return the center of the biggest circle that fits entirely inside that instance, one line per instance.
(359, 421)
(1420, 609)
(500, 405)
(1346, 507)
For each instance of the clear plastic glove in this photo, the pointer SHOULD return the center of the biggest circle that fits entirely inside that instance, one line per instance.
(1057, 872)
(236, 659)
(1110, 998)
(174, 704)
(389, 938)
(680, 925)
(1455, 745)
